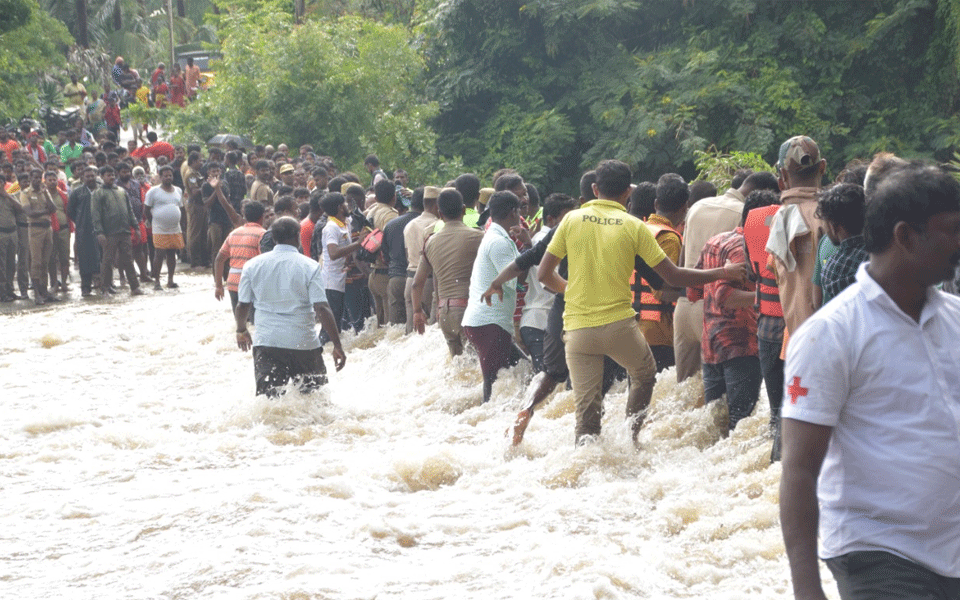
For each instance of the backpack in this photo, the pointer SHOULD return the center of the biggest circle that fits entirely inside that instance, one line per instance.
(370, 246)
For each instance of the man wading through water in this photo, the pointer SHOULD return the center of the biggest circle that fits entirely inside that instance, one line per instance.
(601, 239)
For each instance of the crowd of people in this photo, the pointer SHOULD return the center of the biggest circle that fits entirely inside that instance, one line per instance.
(782, 280)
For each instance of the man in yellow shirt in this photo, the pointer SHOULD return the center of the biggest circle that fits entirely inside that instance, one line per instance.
(601, 240)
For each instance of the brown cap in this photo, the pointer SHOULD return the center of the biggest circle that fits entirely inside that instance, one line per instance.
(287, 168)
(485, 194)
(431, 192)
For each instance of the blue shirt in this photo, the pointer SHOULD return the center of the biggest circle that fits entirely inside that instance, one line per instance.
(496, 252)
(283, 286)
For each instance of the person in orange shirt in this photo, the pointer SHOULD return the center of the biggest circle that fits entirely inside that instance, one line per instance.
(193, 77)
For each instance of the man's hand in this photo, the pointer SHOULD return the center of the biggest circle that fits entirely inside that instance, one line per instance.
(521, 235)
(102, 240)
(736, 272)
(244, 342)
(218, 292)
(214, 182)
(339, 357)
(419, 321)
(487, 296)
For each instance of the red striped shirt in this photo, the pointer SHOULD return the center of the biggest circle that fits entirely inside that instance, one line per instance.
(241, 245)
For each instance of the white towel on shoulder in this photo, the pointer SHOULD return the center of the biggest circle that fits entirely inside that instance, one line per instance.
(788, 223)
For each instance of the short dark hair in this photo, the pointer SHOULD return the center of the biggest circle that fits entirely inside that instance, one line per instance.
(672, 193)
(643, 200)
(510, 181)
(758, 199)
(586, 185)
(854, 172)
(450, 203)
(151, 136)
(372, 160)
(319, 171)
(763, 180)
(700, 190)
(301, 192)
(556, 203)
(335, 184)
(739, 176)
(285, 204)
(331, 202)
(385, 191)
(416, 200)
(106, 169)
(912, 194)
(261, 164)
(501, 203)
(842, 204)
(212, 165)
(533, 194)
(232, 157)
(613, 177)
(193, 148)
(164, 168)
(350, 176)
(193, 157)
(468, 185)
(123, 165)
(253, 211)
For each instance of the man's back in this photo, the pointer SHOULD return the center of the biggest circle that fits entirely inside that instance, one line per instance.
(452, 253)
(796, 284)
(283, 285)
(707, 218)
(890, 389)
(601, 240)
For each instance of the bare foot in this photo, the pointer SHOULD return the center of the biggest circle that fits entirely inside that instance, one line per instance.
(520, 425)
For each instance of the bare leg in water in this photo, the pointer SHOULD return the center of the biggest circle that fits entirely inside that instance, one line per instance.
(611, 373)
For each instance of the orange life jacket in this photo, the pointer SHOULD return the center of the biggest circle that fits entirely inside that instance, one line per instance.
(644, 301)
(756, 231)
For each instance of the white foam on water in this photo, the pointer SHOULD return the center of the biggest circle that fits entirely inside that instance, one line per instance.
(136, 462)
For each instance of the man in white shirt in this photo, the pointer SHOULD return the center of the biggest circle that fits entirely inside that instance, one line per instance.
(286, 289)
(871, 418)
(489, 328)
(337, 250)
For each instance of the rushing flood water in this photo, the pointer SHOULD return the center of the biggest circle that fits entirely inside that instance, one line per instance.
(137, 463)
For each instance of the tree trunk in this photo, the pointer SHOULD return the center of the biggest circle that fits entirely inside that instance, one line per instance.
(181, 9)
(83, 36)
(117, 17)
(215, 8)
(298, 9)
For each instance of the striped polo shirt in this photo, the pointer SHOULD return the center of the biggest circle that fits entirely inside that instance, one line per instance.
(241, 245)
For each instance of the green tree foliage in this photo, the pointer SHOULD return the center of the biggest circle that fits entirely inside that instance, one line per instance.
(653, 82)
(31, 43)
(348, 87)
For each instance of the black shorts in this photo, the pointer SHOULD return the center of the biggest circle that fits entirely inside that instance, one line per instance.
(877, 575)
(275, 367)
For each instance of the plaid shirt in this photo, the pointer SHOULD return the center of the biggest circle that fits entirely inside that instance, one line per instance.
(840, 269)
(727, 332)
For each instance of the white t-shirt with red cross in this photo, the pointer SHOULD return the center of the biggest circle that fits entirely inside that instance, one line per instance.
(890, 389)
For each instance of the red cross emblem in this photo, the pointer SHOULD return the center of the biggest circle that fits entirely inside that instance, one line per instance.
(796, 390)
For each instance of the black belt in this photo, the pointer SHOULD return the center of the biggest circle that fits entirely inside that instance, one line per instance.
(43, 224)
(381, 271)
(8, 229)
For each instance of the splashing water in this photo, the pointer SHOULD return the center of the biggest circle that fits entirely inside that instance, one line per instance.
(136, 462)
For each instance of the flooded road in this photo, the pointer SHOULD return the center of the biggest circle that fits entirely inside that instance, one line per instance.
(137, 463)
